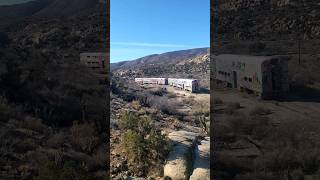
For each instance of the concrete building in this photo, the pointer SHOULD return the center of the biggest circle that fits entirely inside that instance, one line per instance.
(95, 60)
(266, 76)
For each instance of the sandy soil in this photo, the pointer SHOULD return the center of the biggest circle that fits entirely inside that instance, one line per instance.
(280, 110)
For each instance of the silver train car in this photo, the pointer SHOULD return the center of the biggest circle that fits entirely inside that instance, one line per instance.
(160, 81)
(192, 85)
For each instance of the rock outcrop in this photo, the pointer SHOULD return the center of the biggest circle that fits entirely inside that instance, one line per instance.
(179, 162)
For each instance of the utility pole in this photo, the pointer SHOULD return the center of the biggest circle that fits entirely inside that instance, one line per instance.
(299, 46)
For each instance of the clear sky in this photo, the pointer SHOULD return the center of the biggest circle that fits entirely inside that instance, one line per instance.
(143, 27)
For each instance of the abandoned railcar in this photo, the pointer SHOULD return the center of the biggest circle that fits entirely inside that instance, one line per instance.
(266, 76)
(191, 85)
(160, 81)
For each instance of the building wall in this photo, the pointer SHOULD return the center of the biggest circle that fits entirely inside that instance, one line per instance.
(96, 61)
(248, 73)
(266, 76)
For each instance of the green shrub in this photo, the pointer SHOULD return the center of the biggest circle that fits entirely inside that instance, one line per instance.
(144, 145)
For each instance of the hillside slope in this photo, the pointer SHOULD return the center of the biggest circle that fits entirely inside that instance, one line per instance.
(192, 63)
(33, 10)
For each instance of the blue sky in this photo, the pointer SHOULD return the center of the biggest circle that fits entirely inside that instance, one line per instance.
(143, 27)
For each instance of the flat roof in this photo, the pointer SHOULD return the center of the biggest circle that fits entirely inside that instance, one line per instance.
(247, 58)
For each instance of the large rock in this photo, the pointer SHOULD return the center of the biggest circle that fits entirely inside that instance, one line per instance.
(202, 161)
(179, 162)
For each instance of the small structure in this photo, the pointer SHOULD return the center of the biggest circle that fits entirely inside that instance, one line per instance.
(191, 85)
(160, 81)
(95, 60)
(266, 76)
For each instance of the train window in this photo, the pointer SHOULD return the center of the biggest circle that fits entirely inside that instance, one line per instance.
(250, 79)
(245, 78)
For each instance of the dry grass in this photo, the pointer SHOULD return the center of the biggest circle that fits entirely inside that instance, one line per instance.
(232, 107)
(136, 105)
(33, 124)
(84, 136)
(259, 110)
(56, 140)
(217, 100)
(171, 95)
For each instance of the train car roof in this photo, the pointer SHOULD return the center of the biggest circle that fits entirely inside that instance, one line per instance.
(185, 79)
(248, 58)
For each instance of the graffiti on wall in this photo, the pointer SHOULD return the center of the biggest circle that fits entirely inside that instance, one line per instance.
(239, 65)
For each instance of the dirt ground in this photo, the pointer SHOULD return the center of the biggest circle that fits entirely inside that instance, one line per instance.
(280, 110)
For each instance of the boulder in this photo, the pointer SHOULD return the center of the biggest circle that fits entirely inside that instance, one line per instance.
(201, 166)
(179, 161)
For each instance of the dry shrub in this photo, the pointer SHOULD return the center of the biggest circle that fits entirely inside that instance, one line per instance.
(5, 110)
(259, 110)
(257, 127)
(201, 109)
(136, 105)
(25, 145)
(101, 157)
(167, 106)
(56, 140)
(34, 124)
(159, 91)
(171, 95)
(217, 100)
(188, 101)
(37, 158)
(232, 107)
(84, 136)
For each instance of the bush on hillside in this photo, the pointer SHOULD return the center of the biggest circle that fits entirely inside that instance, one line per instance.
(145, 146)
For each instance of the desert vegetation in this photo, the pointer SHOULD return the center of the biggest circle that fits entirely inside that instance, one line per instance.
(143, 116)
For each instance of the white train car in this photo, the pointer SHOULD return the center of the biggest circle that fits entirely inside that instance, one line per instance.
(191, 85)
(160, 81)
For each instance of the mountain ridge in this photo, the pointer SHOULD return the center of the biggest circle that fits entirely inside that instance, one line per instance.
(172, 57)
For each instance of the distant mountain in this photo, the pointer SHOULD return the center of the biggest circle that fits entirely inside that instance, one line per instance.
(62, 8)
(169, 58)
(12, 14)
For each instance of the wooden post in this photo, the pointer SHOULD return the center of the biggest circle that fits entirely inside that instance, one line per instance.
(299, 46)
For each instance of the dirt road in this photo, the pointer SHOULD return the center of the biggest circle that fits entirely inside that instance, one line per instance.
(280, 110)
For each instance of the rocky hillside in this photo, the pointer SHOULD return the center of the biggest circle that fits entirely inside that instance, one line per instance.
(268, 19)
(51, 102)
(33, 10)
(193, 63)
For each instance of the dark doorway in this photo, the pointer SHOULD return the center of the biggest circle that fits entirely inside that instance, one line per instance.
(235, 79)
